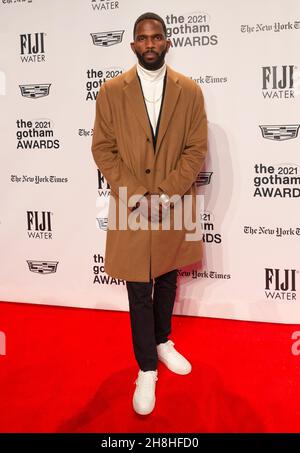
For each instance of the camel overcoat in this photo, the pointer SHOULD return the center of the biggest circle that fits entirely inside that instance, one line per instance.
(128, 155)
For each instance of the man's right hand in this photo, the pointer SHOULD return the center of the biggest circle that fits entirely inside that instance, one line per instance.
(144, 208)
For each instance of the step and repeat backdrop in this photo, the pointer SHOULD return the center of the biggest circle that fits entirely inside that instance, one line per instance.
(54, 57)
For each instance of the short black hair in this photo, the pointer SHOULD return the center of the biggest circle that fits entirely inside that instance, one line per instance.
(151, 16)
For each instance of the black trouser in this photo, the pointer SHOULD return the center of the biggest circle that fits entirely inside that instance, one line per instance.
(151, 318)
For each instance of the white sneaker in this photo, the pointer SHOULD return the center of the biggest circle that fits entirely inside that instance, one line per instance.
(172, 359)
(144, 395)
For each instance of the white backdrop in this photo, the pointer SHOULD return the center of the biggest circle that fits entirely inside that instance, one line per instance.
(245, 56)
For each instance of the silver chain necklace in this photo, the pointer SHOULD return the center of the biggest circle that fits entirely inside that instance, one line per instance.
(154, 101)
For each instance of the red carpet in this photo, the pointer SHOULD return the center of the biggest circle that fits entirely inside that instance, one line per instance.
(73, 370)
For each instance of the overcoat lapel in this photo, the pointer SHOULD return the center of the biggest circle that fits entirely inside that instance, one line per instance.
(171, 96)
(134, 95)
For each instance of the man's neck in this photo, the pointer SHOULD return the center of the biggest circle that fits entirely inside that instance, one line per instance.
(151, 75)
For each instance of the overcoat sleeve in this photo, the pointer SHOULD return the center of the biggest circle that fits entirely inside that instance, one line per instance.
(106, 153)
(193, 155)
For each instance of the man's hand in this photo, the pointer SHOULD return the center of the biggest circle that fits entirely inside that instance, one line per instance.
(143, 206)
(150, 208)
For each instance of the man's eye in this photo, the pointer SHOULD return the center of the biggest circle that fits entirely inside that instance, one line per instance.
(158, 37)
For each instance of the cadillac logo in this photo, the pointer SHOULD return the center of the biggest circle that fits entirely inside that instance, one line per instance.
(42, 267)
(35, 91)
(107, 38)
(203, 178)
(280, 133)
(102, 223)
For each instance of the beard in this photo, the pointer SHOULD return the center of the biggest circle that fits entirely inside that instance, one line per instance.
(152, 65)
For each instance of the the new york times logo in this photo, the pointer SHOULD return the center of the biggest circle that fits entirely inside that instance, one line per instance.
(280, 284)
(32, 47)
(276, 27)
(278, 82)
(39, 224)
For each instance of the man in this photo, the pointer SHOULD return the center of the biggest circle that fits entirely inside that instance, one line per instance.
(150, 141)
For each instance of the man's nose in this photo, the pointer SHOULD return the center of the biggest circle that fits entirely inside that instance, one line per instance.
(150, 43)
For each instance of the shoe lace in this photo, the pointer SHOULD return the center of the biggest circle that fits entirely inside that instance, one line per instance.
(170, 345)
(148, 382)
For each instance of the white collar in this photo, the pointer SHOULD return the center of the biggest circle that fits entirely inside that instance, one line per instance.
(151, 75)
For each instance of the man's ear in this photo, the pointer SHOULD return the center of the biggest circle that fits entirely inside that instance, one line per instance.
(168, 44)
(132, 47)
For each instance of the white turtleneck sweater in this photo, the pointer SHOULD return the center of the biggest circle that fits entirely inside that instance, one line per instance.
(152, 84)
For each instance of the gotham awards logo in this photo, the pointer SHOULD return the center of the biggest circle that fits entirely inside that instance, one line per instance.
(208, 223)
(99, 275)
(190, 30)
(36, 134)
(96, 78)
(32, 47)
(208, 227)
(282, 181)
